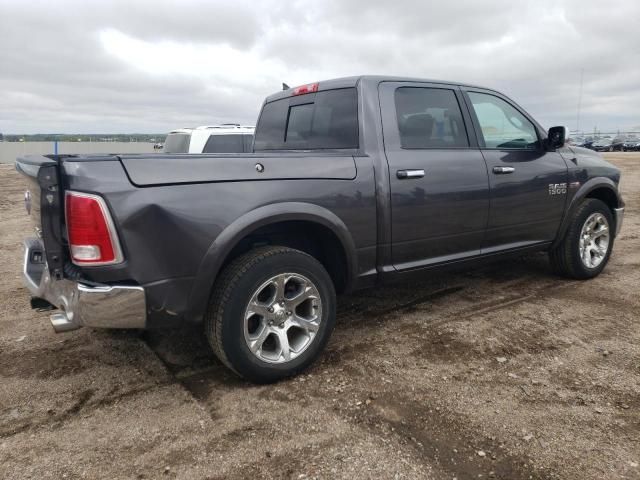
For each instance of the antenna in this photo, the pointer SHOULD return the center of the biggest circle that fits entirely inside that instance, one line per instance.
(579, 100)
(285, 86)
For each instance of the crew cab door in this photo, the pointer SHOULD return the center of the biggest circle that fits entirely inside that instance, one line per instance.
(528, 184)
(438, 177)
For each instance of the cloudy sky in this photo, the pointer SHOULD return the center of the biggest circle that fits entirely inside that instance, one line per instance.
(149, 66)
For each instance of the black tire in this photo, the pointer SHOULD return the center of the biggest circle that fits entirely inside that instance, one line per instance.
(565, 257)
(224, 320)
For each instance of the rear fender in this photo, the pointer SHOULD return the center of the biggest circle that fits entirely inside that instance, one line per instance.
(251, 221)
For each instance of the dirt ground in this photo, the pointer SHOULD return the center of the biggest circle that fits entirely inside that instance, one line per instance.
(501, 372)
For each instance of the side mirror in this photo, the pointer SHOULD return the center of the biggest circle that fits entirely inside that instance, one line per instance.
(557, 137)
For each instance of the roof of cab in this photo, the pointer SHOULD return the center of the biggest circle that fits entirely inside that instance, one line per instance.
(347, 82)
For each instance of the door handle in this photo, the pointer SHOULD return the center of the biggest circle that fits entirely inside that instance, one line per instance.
(503, 170)
(404, 174)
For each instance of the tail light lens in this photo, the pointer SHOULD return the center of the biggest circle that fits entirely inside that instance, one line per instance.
(92, 236)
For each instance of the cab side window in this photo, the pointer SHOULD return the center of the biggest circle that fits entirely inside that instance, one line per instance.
(501, 125)
(429, 118)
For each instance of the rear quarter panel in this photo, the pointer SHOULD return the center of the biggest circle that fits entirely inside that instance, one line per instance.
(167, 230)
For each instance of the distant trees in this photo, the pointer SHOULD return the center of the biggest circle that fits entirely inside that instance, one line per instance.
(93, 137)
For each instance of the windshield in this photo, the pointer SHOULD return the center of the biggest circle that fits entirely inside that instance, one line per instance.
(177, 143)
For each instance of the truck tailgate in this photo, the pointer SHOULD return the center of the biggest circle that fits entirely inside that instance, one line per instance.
(43, 200)
(161, 169)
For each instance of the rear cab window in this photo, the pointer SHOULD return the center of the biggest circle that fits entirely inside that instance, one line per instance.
(323, 120)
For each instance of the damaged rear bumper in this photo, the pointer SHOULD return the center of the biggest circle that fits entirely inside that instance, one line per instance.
(79, 304)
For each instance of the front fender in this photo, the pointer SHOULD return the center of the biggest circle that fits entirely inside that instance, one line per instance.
(582, 193)
(230, 237)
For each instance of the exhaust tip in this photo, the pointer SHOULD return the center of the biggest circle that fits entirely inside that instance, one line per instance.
(61, 323)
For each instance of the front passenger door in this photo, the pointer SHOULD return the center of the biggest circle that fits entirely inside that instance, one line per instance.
(527, 183)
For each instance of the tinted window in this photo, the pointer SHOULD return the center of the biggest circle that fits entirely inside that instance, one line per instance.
(429, 118)
(502, 125)
(322, 120)
(177, 143)
(224, 144)
(248, 143)
(299, 124)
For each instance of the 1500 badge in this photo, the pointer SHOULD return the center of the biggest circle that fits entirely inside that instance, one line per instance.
(557, 188)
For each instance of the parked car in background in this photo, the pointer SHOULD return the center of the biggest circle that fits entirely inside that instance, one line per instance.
(602, 145)
(353, 182)
(617, 144)
(585, 142)
(225, 138)
(629, 144)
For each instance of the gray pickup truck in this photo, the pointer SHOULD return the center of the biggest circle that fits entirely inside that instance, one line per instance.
(353, 182)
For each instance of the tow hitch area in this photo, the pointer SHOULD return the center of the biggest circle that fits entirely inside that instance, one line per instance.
(80, 305)
(41, 304)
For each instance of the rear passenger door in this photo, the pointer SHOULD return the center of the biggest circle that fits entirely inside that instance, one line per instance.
(528, 183)
(438, 177)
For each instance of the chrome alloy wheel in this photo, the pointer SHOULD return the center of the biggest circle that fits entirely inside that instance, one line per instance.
(282, 318)
(594, 240)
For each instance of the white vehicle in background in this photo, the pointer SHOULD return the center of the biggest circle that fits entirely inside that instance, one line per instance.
(225, 138)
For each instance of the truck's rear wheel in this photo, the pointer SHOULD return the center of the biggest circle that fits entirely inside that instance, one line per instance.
(271, 313)
(585, 249)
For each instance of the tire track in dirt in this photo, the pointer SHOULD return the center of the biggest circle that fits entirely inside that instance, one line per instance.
(440, 438)
(82, 403)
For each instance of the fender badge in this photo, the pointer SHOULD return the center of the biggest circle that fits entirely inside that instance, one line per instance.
(557, 188)
(259, 168)
(574, 185)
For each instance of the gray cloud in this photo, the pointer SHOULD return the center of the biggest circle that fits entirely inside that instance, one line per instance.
(202, 62)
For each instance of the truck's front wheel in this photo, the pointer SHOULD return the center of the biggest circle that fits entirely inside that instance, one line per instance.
(585, 249)
(271, 313)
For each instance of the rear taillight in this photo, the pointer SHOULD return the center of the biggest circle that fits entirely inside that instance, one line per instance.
(304, 89)
(92, 237)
